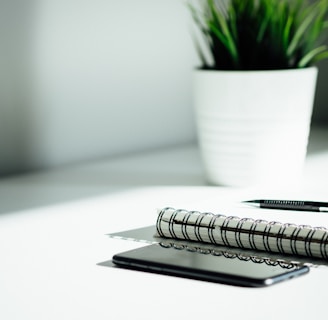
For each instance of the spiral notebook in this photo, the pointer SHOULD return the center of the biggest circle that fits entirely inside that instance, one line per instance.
(148, 235)
(243, 233)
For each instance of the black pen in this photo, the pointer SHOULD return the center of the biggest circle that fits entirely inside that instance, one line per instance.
(289, 205)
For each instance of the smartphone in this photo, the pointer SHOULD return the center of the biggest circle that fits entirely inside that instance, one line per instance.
(207, 265)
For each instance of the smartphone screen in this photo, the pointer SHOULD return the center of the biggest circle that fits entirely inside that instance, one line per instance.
(208, 267)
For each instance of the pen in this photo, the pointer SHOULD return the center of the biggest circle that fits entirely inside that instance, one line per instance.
(289, 205)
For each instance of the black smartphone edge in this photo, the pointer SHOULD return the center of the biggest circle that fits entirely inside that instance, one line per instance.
(216, 277)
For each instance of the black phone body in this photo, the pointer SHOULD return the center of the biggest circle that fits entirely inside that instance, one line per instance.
(208, 267)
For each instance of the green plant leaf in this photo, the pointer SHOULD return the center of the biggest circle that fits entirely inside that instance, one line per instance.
(200, 53)
(261, 34)
(311, 55)
(300, 32)
(224, 34)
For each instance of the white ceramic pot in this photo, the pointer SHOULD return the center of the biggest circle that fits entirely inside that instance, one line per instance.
(253, 126)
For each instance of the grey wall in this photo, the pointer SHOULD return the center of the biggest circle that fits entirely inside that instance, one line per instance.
(15, 24)
(90, 78)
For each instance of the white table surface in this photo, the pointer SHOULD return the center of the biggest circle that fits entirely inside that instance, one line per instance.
(53, 227)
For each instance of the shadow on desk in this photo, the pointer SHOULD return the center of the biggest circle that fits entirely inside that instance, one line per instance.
(179, 166)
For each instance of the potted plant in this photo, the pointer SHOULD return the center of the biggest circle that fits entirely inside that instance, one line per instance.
(254, 90)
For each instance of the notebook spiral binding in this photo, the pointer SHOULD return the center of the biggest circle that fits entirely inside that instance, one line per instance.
(231, 255)
(245, 233)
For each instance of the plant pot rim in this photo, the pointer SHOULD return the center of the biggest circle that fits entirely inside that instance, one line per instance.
(200, 70)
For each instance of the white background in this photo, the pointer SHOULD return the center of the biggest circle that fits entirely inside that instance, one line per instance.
(84, 79)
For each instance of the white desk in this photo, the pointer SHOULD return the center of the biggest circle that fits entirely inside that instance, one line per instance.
(52, 235)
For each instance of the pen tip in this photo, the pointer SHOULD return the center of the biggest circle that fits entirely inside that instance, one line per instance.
(248, 201)
(252, 202)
